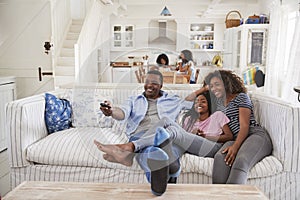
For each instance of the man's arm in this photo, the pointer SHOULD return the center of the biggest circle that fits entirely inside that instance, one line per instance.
(193, 95)
(116, 112)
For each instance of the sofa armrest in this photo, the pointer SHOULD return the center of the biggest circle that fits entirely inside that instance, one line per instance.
(25, 125)
(281, 119)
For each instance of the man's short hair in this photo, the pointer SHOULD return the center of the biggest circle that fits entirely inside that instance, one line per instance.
(156, 72)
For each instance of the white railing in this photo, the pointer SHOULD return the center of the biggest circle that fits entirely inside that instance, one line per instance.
(60, 19)
(85, 48)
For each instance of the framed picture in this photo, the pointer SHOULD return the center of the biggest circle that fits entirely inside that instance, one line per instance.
(257, 47)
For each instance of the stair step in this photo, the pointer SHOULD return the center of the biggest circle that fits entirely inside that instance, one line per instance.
(65, 71)
(66, 61)
(72, 36)
(75, 28)
(67, 52)
(77, 21)
(69, 43)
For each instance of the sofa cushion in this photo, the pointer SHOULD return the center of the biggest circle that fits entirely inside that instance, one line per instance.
(268, 166)
(57, 113)
(74, 147)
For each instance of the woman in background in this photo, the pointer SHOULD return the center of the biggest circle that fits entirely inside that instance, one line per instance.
(162, 60)
(186, 65)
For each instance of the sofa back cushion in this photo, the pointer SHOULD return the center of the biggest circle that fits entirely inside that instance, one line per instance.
(86, 101)
(86, 104)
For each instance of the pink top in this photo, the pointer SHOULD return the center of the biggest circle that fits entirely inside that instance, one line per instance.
(212, 125)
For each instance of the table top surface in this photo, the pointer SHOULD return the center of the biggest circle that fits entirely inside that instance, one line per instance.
(74, 190)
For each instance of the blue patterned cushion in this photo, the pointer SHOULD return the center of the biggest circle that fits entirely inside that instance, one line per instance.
(57, 113)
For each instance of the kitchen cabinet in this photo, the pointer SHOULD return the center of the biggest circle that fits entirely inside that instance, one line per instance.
(201, 36)
(124, 74)
(7, 94)
(123, 37)
(245, 47)
(121, 74)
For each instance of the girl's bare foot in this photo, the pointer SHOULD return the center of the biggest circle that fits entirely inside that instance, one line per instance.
(114, 153)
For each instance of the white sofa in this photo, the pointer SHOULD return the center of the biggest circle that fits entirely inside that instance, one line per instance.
(70, 155)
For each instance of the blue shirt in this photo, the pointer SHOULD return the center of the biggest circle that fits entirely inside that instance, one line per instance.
(135, 109)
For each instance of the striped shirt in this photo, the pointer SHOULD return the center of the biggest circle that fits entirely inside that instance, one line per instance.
(242, 100)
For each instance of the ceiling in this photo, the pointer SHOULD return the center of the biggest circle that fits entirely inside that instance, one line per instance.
(215, 9)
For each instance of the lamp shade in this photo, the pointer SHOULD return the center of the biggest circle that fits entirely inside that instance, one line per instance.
(165, 12)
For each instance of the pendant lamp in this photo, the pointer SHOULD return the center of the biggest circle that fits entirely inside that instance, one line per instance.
(165, 12)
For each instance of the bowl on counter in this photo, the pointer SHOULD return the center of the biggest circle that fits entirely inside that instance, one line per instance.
(195, 28)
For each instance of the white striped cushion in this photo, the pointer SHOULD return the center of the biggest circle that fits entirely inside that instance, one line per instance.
(74, 147)
(270, 165)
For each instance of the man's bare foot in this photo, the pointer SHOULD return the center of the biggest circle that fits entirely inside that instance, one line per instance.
(127, 146)
(109, 158)
(114, 153)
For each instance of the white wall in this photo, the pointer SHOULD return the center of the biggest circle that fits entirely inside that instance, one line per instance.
(27, 27)
(78, 9)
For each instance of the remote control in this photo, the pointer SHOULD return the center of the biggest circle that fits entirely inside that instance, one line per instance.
(104, 105)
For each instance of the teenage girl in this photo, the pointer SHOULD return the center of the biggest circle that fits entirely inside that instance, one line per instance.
(201, 121)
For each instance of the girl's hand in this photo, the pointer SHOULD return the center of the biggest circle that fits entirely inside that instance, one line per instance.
(194, 131)
(201, 133)
(206, 87)
(231, 154)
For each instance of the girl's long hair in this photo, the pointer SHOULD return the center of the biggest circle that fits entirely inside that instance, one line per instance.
(193, 115)
(188, 55)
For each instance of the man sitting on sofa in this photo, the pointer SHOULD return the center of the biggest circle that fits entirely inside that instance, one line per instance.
(142, 113)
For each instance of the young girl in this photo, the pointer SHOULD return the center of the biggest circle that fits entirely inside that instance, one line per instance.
(186, 65)
(201, 121)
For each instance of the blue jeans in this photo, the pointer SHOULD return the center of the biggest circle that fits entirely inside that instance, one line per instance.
(142, 155)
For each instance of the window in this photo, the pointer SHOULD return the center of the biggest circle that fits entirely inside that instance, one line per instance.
(289, 39)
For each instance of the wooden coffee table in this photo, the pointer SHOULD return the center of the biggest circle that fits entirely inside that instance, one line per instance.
(79, 191)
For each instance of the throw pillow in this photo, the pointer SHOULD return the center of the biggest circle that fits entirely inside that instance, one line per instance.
(57, 113)
(86, 108)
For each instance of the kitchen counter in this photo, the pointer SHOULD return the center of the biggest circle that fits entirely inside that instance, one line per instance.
(124, 73)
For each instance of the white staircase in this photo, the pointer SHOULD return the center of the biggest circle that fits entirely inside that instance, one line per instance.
(65, 66)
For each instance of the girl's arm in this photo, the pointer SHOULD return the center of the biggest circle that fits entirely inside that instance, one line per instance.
(183, 69)
(244, 119)
(194, 94)
(226, 136)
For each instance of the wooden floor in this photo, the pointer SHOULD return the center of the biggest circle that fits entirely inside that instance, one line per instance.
(91, 191)
(4, 173)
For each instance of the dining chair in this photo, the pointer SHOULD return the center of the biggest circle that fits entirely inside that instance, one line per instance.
(142, 73)
(196, 75)
(137, 75)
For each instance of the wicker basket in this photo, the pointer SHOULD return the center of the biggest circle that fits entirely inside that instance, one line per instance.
(233, 22)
